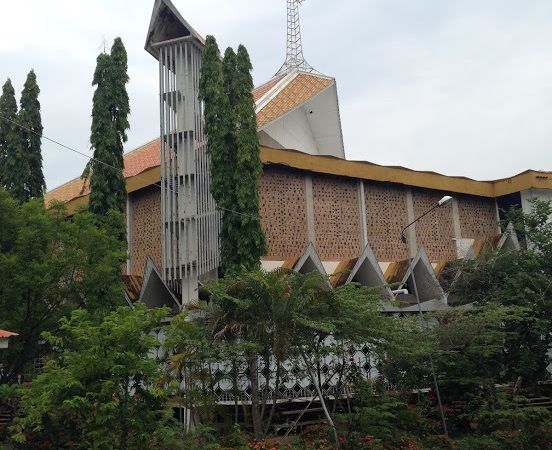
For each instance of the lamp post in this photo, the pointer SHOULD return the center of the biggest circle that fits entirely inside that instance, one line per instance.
(446, 199)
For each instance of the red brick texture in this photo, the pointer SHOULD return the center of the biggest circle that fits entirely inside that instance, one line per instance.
(477, 216)
(435, 232)
(385, 218)
(336, 218)
(283, 212)
(145, 237)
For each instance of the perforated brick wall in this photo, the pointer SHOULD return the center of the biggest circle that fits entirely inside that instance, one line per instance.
(283, 212)
(435, 232)
(146, 228)
(385, 218)
(336, 218)
(477, 216)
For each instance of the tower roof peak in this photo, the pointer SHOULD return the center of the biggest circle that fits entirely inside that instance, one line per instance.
(167, 23)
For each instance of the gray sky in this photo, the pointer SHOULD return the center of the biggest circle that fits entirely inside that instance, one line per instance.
(460, 87)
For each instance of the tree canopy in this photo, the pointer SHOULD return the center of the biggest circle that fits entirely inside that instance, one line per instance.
(20, 142)
(12, 164)
(31, 137)
(50, 264)
(110, 110)
(102, 389)
(233, 147)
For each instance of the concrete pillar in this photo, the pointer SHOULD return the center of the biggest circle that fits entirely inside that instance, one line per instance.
(457, 230)
(129, 235)
(411, 232)
(362, 213)
(309, 196)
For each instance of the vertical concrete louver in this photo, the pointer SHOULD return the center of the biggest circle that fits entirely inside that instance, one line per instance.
(190, 221)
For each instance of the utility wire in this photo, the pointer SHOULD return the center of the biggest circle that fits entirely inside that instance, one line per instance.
(91, 158)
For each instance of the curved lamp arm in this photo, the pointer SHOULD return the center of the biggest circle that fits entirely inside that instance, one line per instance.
(443, 201)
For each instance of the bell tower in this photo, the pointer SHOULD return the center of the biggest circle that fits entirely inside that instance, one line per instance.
(190, 220)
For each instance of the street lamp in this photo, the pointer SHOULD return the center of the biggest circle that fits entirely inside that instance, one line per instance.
(446, 199)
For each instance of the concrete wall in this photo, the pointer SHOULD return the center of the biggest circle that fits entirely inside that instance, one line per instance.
(526, 196)
(294, 131)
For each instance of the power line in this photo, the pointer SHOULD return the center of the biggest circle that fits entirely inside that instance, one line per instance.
(91, 158)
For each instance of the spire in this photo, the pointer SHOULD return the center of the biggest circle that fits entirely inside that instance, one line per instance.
(294, 50)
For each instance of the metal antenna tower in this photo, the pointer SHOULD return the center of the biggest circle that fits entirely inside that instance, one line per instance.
(294, 49)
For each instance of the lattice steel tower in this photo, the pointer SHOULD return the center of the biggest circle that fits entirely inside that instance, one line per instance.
(294, 49)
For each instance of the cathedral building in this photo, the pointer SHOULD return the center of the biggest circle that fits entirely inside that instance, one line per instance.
(319, 211)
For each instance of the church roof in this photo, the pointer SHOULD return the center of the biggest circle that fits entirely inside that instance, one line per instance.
(142, 169)
(260, 91)
(137, 161)
(281, 97)
(300, 110)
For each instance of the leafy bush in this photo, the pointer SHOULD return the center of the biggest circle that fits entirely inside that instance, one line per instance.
(380, 419)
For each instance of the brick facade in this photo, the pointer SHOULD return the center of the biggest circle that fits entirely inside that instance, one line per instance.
(478, 216)
(283, 212)
(145, 233)
(336, 217)
(385, 218)
(435, 232)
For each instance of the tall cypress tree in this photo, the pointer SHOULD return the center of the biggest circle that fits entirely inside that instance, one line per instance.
(250, 239)
(110, 109)
(217, 122)
(13, 167)
(213, 91)
(231, 129)
(229, 258)
(31, 137)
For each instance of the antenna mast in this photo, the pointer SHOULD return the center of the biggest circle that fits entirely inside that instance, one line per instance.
(294, 50)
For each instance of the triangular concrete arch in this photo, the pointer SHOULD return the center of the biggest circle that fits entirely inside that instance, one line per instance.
(509, 240)
(367, 272)
(309, 261)
(155, 293)
(427, 284)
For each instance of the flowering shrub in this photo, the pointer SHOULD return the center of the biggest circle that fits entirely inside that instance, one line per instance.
(269, 444)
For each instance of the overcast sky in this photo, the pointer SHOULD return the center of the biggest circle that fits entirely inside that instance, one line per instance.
(459, 87)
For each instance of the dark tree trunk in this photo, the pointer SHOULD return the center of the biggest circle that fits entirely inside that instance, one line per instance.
(255, 403)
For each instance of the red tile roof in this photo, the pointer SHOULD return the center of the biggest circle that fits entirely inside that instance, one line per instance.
(261, 90)
(136, 162)
(299, 90)
(149, 155)
(7, 334)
